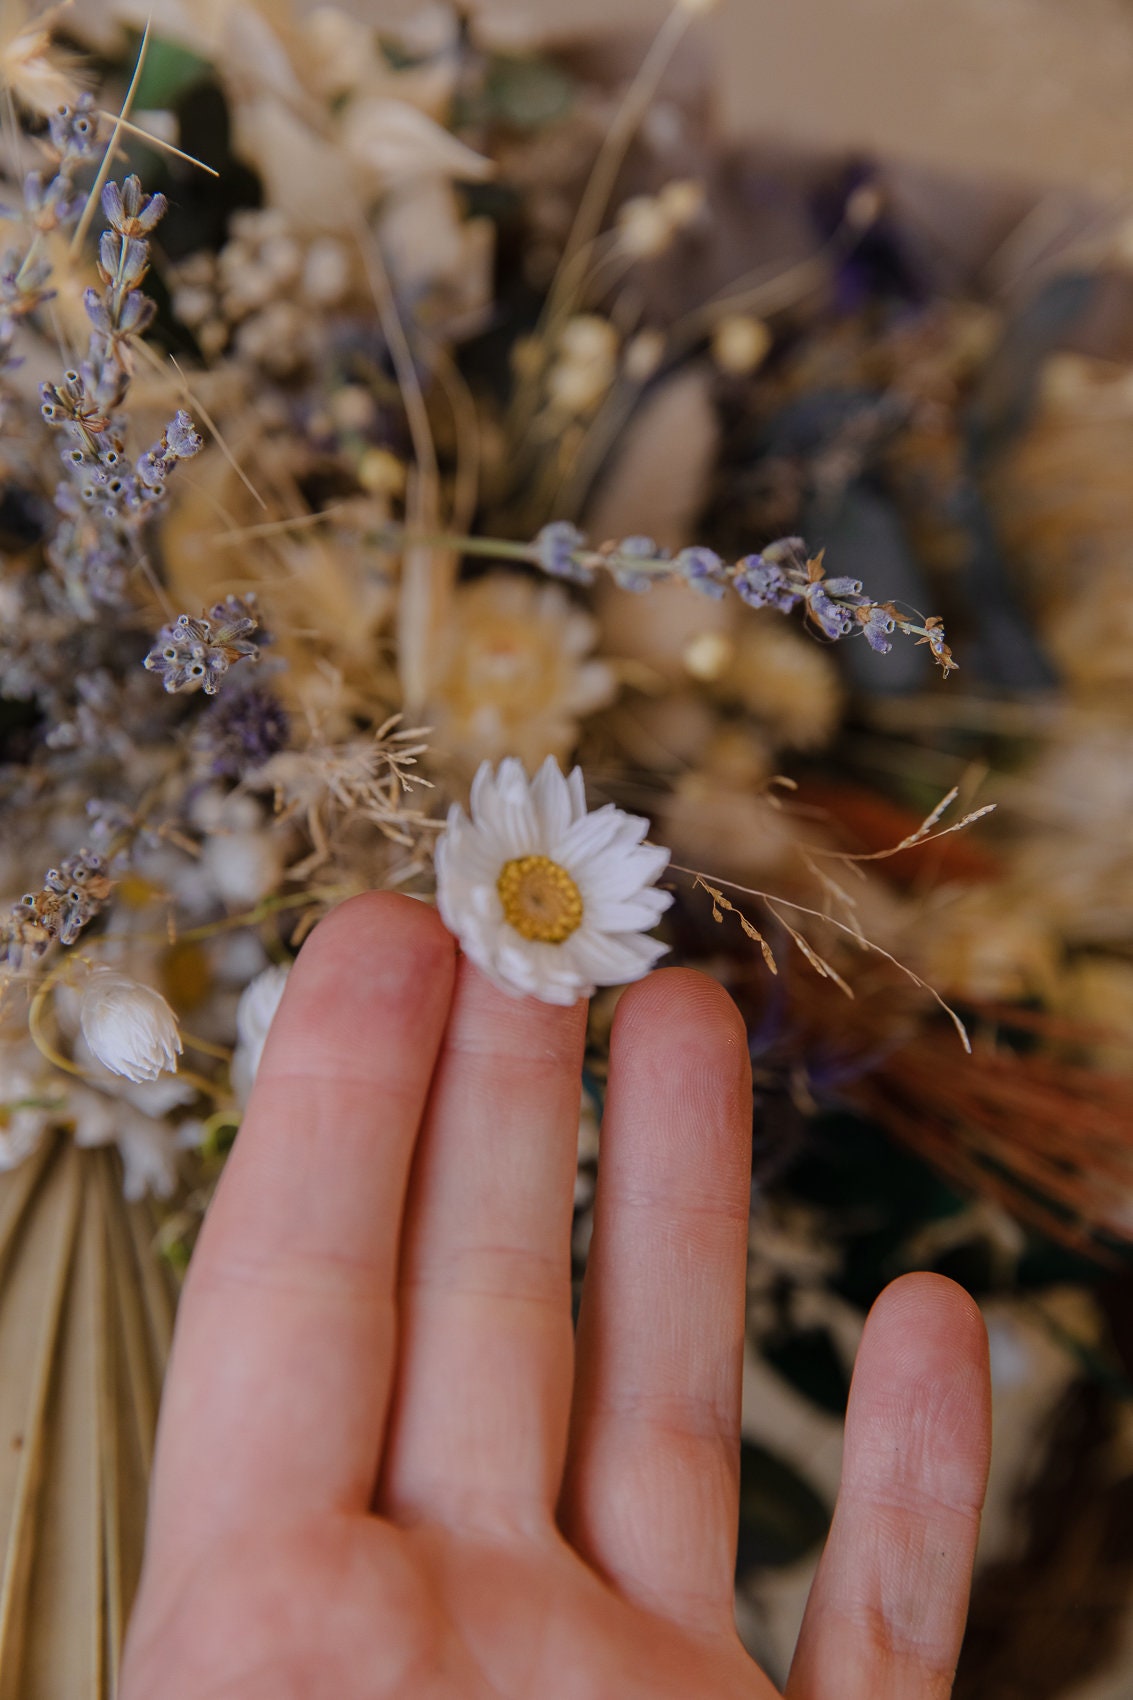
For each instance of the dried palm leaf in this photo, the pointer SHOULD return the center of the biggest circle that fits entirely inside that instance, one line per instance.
(85, 1322)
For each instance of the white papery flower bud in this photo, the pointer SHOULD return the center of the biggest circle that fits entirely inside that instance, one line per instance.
(129, 1027)
(254, 1015)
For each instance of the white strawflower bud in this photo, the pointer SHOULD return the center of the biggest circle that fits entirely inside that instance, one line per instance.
(129, 1027)
(254, 1015)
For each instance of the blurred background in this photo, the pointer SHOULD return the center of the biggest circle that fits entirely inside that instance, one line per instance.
(860, 271)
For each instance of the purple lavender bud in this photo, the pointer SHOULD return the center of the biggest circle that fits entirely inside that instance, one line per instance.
(112, 205)
(555, 549)
(151, 468)
(136, 313)
(134, 264)
(96, 311)
(634, 549)
(194, 655)
(791, 551)
(641, 549)
(835, 621)
(130, 212)
(763, 584)
(874, 627)
(703, 569)
(844, 587)
(74, 128)
(182, 440)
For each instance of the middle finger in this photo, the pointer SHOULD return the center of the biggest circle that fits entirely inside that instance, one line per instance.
(482, 1401)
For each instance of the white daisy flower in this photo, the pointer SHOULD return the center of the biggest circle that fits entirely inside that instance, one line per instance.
(548, 900)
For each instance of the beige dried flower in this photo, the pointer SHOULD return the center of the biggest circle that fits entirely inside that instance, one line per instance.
(740, 343)
(515, 678)
(37, 74)
(586, 364)
(786, 680)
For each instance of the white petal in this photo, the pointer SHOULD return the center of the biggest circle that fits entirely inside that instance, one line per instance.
(589, 835)
(577, 788)
(615, 959)
(551, 796)
(615, 873)
(482, 795)
(628, 914)
(513, 820)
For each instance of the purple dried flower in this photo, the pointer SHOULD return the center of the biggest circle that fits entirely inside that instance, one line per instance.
(634, 549)
(241, 731)
(836, 622)
(182, 440)
(51, 202)
(74, 127)
(849, 589)
(555, 549)
(122, 260)
(71, 895)
(194, 655)
(703, 569)
(875, 623)
(128, 210)
(763, 584)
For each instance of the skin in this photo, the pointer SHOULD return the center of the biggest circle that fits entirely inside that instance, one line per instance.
(388, 1470)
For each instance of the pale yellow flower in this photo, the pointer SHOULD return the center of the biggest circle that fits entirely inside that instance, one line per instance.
(786, 680)
(514, 677)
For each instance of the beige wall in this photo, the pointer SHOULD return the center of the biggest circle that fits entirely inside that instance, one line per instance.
(1037, 89)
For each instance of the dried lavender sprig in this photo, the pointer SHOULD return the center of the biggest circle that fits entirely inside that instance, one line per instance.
(51, 202)
(783, 576)
(105, 500)
(71, 896)
(195, 654)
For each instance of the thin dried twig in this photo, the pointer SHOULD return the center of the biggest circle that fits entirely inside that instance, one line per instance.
(771, 900)
(720, 903)
(103, 171)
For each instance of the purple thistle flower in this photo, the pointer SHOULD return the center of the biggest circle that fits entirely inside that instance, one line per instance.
(241, 731)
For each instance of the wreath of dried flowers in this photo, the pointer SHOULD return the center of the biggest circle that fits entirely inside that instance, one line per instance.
(282, 471)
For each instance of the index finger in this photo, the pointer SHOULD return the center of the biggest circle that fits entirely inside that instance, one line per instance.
(284, 1349)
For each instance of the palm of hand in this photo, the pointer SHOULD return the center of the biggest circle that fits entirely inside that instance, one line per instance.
(386, 1469)
(357, 1609)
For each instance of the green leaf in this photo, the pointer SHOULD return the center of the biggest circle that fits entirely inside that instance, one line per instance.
(527, 93)
(170, 70)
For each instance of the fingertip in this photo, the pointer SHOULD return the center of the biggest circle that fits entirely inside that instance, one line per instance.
(387, 919)
(922, 1381)
(373, 957)
(682, 1008)
(928, 1317)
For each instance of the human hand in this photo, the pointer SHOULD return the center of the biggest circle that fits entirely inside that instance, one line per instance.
(385, 1468)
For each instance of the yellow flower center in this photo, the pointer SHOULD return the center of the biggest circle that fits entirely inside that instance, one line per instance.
(540, 899)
